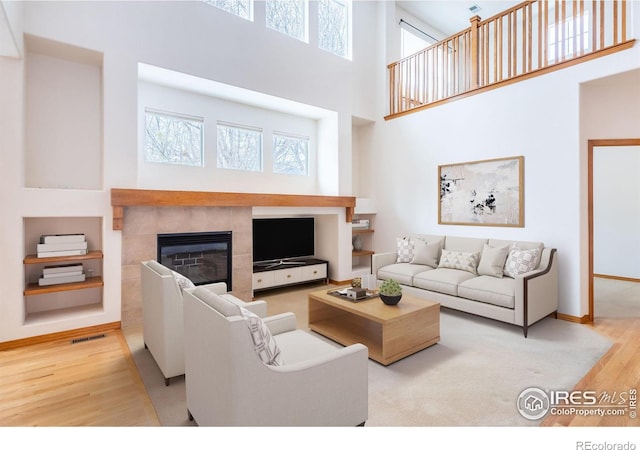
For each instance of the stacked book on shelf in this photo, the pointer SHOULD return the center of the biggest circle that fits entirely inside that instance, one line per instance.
(62, 245)
(67, 273)
(362, 224)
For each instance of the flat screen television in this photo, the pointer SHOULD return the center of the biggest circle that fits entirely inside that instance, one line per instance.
(277, 239)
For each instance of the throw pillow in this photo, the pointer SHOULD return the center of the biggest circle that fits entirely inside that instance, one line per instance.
(182, 281)
(405, 247)
(492, 261)
(521, 261)
(263, 342)
(426, 253)
(460, 261)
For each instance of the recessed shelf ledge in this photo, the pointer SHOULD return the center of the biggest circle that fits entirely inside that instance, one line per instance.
(145, 197)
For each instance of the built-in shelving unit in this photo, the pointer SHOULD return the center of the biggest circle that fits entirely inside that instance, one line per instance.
(65, 300)
(362, 257)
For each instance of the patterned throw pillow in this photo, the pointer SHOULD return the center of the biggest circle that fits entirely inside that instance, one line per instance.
(405, 247)
(426, 253)
(182, 281)
(263, 342)
(521, 261)
(460, 261)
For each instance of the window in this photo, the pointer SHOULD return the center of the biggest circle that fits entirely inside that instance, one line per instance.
(288, 17)
(565, 33)
(173, 138)
(333, 26)
(241, 8)
(239, 147)
(290, 154)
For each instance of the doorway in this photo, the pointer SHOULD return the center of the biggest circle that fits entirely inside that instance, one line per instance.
(600, 145)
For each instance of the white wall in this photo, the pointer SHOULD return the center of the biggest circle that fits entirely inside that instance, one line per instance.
(188, 37)
(63, 114)
(539, 119)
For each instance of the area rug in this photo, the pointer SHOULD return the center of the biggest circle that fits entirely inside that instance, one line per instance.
(472, 377)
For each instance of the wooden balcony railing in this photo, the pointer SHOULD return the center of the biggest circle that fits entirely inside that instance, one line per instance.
(530, 39)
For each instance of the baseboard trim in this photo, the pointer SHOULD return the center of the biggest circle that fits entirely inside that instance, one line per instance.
(575, 319)
(69, 334)
(338, 283)
(615, 277)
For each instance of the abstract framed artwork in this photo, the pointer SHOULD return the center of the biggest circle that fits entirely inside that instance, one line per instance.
(488, 192)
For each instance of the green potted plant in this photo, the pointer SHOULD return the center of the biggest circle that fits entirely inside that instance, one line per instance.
(390, 292)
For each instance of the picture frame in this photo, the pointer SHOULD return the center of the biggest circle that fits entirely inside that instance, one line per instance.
(485, 193)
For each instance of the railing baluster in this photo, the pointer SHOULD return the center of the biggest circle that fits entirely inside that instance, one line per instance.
(594, 24)
(601, 24)
(486, 80)
(581, 27)
(615, 22)
(574, 26)
(556, 32)
(500, 50)
(624, 20)
(454, 67)
(514, 37)
(529, 37)
(545, 39)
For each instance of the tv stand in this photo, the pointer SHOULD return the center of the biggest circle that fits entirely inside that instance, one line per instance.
(281, 273)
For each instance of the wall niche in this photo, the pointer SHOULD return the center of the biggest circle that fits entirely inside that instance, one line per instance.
(63, 116)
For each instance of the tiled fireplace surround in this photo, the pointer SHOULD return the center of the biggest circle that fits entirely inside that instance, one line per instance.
(141, 226)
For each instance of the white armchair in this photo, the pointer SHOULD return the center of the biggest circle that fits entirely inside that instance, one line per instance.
(227, 384)
(162, 316)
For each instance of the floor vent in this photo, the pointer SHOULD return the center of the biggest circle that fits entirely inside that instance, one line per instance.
(88, 338)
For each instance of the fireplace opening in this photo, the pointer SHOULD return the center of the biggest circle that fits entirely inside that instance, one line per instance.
(202, 257)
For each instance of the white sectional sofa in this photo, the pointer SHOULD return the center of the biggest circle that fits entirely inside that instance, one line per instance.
(511, 281)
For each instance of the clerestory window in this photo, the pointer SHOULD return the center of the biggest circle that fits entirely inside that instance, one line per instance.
(289, 17)
(172, 138)
(239, 147)
(241, 8)
(334, 19)
(290, 154)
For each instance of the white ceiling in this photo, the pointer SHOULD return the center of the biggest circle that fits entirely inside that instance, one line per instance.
(452, 16)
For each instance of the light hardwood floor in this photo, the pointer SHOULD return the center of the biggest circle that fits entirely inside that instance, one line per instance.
(96, 383)
(90, 383)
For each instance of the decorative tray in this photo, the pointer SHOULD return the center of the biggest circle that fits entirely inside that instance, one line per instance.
(342, 293)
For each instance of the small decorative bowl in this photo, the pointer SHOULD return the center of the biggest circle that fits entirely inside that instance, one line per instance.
(390, 299)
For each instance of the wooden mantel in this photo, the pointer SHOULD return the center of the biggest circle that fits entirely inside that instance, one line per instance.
(145, 197)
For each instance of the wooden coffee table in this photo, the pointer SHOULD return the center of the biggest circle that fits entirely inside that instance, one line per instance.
(390, 332)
